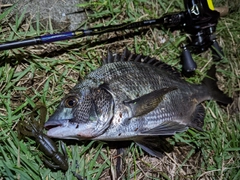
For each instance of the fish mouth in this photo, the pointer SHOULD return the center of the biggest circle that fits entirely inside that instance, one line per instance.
(61, 129)
(48, 127)
(52, 124)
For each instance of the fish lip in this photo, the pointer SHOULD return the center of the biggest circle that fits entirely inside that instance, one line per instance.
(53, 124)
(48, 127)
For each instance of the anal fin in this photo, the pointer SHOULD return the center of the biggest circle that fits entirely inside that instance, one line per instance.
(147, 102)
(197, 118)
(155, 145)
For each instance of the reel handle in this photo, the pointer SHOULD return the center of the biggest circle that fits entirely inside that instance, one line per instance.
(217, 52)
(188, 64)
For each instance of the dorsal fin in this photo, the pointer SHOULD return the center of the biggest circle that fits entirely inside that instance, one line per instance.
(128, 56)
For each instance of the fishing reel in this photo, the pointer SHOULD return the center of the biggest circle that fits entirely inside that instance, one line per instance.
(199, 21)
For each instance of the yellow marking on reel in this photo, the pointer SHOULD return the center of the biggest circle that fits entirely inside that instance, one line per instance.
(210, 4)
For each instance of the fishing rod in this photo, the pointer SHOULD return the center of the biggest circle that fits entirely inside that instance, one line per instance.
(199, 20)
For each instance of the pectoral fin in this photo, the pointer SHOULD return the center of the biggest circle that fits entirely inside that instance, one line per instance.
(147, 102)
(155, 145)
(166, 128)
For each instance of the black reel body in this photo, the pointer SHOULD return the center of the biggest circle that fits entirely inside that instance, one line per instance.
(200, 22)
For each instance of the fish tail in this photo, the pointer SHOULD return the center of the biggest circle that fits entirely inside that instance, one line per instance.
(211, 84)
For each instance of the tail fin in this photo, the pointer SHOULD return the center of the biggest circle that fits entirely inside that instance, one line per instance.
(215, 92)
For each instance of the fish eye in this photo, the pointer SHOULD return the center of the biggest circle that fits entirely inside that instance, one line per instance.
(71, 101)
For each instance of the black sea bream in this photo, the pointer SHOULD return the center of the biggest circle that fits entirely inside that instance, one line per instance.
(132, 97)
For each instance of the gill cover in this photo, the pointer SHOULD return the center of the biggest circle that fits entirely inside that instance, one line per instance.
(101, 111)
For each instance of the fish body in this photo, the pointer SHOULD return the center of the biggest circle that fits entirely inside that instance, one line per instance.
(132, 97)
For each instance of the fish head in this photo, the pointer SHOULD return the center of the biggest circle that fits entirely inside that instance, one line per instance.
(82, 114)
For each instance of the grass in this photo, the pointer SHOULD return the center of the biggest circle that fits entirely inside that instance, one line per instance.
(45, 73)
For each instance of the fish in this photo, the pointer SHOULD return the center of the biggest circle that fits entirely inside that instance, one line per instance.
(133, 97)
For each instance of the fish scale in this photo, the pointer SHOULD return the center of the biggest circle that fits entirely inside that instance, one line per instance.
(133, 97)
